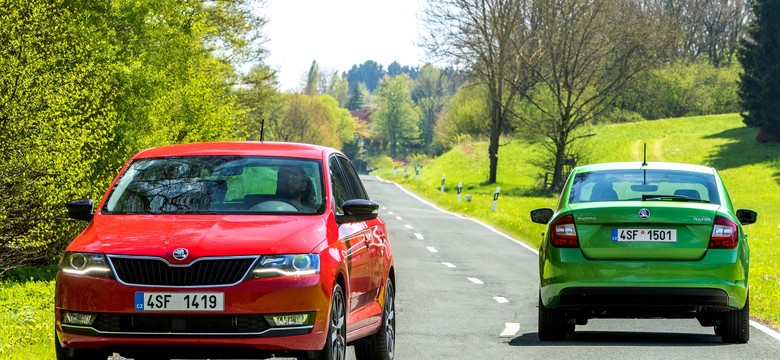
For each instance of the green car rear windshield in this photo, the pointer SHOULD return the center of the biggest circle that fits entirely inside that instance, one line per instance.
(638, 184)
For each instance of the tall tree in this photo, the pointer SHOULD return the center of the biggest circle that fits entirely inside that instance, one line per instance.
(481, 36)
(338, 88)
(586, 51)
(760, 82)
(313, 80)
(395, 121)
(430, 94)
(359, 99)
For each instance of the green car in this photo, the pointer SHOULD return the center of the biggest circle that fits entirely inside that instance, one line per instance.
(644, 240)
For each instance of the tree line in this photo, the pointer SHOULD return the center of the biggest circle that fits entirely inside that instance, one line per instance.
(84, 85)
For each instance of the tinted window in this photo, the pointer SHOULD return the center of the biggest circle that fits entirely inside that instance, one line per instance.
(358, 192)
(217, 185)
(339, 183)
(628, 185)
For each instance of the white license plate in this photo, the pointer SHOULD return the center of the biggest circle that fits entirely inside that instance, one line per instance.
(179, 301)
(650, 235)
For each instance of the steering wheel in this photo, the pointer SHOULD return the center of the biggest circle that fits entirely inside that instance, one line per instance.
(279, 205)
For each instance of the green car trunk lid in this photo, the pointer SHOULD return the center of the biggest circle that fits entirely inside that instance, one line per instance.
(599, 228)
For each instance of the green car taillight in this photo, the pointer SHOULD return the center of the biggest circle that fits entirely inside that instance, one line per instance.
(564, 233)
(724, 234)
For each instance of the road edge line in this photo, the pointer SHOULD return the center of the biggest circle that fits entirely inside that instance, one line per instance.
(761, 327)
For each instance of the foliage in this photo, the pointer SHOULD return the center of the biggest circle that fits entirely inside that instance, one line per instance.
(395, 121)
(310, 119)
(338, 88)
(464, 114)
(360, 98)
(430, 94)
(760, 83)
(86, 84)
(368, 73)
(313, 80)
(258, 97)
(683, 89)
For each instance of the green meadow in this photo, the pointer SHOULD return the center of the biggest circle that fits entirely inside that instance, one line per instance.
(751, 172)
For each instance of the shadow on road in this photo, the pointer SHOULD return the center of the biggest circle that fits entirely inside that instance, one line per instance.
(615, 338)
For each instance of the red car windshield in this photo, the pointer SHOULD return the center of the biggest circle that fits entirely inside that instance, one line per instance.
(218, 185)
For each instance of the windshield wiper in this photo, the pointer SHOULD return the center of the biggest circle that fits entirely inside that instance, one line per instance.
(646, 197)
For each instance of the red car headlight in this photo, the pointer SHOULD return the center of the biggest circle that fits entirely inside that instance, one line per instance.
(287, 265)
(85, 264)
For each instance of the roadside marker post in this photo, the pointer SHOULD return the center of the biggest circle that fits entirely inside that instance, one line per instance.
(495, 199)
(441, 190)
(460, 189)
(416, 172)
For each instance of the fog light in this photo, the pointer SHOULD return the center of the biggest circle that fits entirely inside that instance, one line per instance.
(77, 318)
(290, 319)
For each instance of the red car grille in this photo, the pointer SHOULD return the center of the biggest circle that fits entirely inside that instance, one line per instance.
(206, 272)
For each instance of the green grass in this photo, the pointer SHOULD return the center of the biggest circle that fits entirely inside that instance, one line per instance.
(751, 172)
(27, 314)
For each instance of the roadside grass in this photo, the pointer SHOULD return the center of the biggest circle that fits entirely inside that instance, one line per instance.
(27, 314)
(751, 172)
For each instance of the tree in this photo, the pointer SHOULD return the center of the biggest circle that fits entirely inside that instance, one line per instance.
(359, 99)
(258, 97)
(760, 83)
(585, 52)
(463, 117)
(313, 80)
(369, 73)
(481, 36)
(338, 88)
(395, 121)
(430, 94)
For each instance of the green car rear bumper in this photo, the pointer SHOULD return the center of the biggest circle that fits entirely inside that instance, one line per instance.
(568, 279)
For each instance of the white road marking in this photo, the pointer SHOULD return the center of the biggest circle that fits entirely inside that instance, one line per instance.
(510, 330)
(476, 281)
(501, 299)
(431, 249)
(771, 332)
(419, 236)
(409, 226)
(449, 265)
(399, 218)
(390, 212)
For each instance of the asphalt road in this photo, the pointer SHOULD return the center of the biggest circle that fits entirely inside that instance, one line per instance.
(466, 291)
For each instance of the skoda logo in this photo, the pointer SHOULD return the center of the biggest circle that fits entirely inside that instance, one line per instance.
(180, 254)
(644, 214)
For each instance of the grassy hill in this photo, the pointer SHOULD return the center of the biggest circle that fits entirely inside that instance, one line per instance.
(751, 172)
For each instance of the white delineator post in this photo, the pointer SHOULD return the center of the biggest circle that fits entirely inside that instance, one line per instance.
(495, 199)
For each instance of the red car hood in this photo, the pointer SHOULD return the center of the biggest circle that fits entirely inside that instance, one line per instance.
(201, 235)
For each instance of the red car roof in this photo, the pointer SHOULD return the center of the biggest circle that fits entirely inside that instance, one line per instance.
(254, 148)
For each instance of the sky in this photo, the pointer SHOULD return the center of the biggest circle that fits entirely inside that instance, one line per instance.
(339, 34)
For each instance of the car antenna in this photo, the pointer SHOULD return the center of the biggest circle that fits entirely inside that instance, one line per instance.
(644, 164)
(262, 127)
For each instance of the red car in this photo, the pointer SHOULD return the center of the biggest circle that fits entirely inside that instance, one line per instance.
(231, 249)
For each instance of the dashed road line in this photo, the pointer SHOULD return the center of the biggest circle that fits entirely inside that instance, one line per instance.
(510, 330)
(419, 236)
(432, 249)
(449, 265)
(399, 218)
(476, 281)
(409, 226)
(501, 299)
